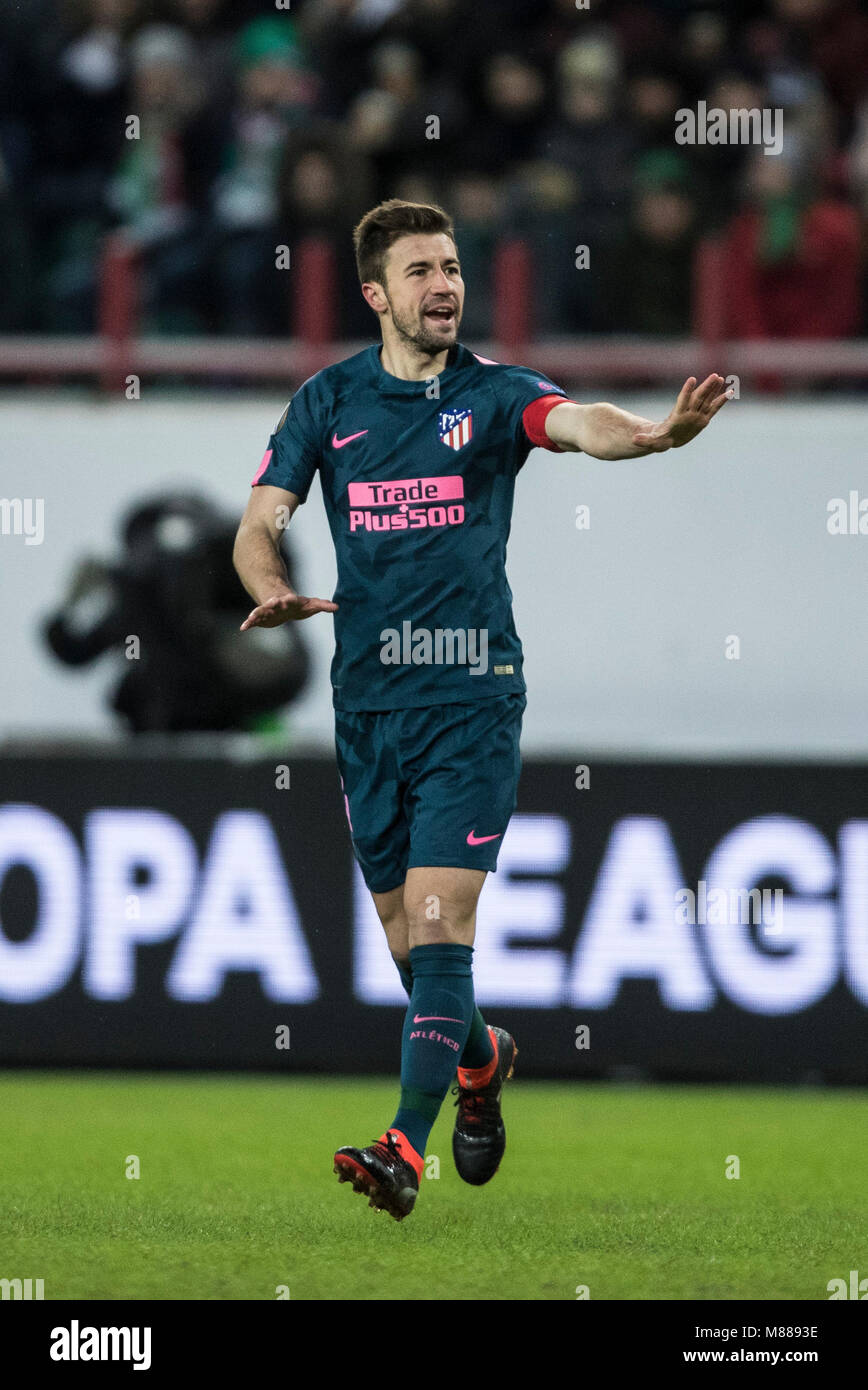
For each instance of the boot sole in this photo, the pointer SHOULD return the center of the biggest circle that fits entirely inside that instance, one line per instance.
(348, 1170)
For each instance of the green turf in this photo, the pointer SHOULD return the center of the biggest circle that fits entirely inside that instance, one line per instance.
(620, 1188)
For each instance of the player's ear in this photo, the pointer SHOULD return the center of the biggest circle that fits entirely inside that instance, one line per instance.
(374, 297)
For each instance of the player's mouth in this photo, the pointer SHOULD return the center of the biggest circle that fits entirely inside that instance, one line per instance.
(441, 314)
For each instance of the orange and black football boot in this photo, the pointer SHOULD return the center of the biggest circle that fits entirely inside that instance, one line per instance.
(387, 1171)
(479, 1137)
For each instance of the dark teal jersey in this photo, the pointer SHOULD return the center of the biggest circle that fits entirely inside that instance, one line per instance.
(418, 480)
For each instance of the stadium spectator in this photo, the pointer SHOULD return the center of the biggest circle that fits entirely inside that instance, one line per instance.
(704, 47)
(319, 187)
(541, 110)
(590, 137)
(544, 208)
(339, 35)
(16, 188)
(856, 170)
(792, 260)
(150, 192)
(276, 95)
(213, 38)
(653, 97)
(418, 188)
(718, 170)
(792, 87)
(506, 126)
(475, 201)
(858, 160)
(431, 27)
(389, 122)
(81, 73)
(646, 276)
(832, 37)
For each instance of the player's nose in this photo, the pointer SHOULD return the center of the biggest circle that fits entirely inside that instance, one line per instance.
(441, 281)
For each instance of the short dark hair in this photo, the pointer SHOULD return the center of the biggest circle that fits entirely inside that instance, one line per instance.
(386, 224)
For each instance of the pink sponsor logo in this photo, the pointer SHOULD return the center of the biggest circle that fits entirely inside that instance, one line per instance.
(386, 494)
(367, 501)
(406, 518)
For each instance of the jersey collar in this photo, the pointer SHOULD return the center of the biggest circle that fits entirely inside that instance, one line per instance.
(396, 386)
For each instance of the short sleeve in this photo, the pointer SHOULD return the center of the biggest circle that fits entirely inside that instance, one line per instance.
(293, 453)
(524, 386)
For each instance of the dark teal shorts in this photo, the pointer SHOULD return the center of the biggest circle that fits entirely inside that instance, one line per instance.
(429, 786)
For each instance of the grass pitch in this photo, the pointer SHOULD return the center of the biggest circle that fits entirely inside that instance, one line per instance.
(619, 1188)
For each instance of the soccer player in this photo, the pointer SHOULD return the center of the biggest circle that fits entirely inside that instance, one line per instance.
(418, 443)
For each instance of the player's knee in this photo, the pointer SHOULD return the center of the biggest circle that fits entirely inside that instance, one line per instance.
(390, 910)
(442, 936)
(397, 933)
(447, 924)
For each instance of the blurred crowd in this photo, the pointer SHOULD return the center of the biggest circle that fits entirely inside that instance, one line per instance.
(213, 131)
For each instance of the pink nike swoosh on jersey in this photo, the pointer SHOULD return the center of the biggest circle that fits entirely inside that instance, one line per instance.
(435, 1018)
(474, 839)
(339, 443)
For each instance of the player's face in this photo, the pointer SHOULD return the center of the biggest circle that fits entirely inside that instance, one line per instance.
(424, 291)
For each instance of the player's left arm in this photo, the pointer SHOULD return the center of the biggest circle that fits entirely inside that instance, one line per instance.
(606, 432)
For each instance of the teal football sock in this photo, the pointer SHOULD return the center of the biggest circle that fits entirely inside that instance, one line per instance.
(478, 1050)
(406, 974)
(435, 1033)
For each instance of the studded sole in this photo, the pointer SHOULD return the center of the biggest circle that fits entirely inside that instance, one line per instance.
(349, 1171)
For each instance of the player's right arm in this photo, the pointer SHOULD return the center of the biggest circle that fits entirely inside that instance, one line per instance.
(606, 432)
(260, 566)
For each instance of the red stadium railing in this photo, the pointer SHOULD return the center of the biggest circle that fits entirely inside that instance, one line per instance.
(118, 309)
(512, 298)
(118, 351)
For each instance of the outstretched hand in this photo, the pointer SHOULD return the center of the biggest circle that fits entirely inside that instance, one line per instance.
(284, 608)
(696, 405)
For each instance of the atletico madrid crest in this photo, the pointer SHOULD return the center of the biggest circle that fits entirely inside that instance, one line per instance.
(455, 427)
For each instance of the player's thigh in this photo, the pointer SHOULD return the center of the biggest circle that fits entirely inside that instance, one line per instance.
(440, 904)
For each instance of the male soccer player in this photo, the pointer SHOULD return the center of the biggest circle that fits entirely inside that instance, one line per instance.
(418, 443)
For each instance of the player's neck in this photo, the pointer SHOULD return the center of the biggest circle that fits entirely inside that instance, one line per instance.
(408, 364)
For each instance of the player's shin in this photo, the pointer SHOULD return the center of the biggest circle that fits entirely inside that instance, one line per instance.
(435, 1034)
